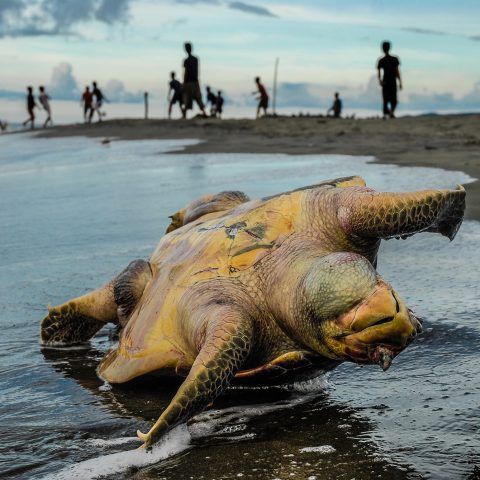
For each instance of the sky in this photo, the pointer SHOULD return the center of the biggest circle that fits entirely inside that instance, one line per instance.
(323, 46)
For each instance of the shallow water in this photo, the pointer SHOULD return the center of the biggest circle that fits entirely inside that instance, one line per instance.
(75, 212)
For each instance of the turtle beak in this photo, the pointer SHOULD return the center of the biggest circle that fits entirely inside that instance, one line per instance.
(381, 327)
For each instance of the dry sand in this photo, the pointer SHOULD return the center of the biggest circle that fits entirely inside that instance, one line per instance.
(451, 142)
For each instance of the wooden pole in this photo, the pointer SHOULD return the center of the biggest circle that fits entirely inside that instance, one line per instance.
(145, 96)
(275, 75)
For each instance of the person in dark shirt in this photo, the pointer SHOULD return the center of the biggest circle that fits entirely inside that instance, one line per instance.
(262, 99)
(336, 108)
(176, 87)
(191, 84)
(220, 102)
(212, 100)
(31, 104)
(390, 67)
(99, 99)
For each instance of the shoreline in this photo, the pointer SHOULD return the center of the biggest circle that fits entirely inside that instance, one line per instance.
(451, 142)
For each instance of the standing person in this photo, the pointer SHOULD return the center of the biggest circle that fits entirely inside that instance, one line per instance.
(191, 84)
(44, 98)
(99, 99)
(87, 99)
(220, 102)
(176, 87)
(263, 98)
(3, 125)
(212, 100)
(31, 104)
(336, 107)
(390, 66)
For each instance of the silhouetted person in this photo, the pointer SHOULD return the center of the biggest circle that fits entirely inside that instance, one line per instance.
(212, 100)
(97, 105)
(176, 87)
(390, 66)
(44, 98)
(191, 84)
(87, 102)
(220, 102)
(3, 125)
(262, 99)
(30, 106)
(336, 108)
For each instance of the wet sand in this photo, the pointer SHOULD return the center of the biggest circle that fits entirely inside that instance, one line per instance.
(451, 142)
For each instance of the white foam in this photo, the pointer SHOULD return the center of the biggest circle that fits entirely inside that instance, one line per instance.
(175, 441)
(102, 442)
(319, 449)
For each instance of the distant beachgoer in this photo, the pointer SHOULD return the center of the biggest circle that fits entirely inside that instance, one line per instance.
(31, 104)
(176, 87)
(390, 66)
(3, 125)
(191, 84)
(44, 98)
(220, 102)
(336, 108)
(97, 105)
(87, 100)
(263, 98)
(212, 100)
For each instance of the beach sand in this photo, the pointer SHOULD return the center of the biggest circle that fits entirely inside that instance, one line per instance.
(451, 142)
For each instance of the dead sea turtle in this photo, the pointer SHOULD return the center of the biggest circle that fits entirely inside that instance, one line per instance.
(270, 288)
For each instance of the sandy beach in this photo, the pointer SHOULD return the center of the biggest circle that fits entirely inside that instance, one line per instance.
(451, 142)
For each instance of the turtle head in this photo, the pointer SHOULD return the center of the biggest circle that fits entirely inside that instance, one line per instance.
(351, 313)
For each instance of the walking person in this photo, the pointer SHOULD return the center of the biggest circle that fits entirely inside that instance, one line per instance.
(262, 99)
(97, 105)
(220, 102)
(212, 100)
(390, 66)
(176, 87)
(191, 83)
(44, 98)
(336, 107)
(31, 104)
(87, 99)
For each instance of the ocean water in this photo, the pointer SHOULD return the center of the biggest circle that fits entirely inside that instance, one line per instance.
(75, 212)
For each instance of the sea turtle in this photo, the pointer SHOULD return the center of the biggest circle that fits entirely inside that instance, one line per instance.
(274, 288)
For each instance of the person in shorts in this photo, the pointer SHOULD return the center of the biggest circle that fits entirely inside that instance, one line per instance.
(176, 87)
(87, 100)
(31, 104)
(390, 67)
(99, 99)
(262, 99)
(44, 98)
(191, 84)
(212, 100)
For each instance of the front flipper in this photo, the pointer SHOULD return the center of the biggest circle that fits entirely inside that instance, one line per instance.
(224, 351)
(370, 214)
(79, 319)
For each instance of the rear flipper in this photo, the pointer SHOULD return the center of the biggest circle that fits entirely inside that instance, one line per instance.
(79, 319)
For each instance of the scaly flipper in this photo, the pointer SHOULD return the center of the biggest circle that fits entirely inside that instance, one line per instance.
(79, 319)
(370, 214)
(225, 349)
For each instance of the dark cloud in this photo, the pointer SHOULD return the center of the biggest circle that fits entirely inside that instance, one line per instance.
(475, 37)
(57, 17)
(424, 31)
(191, 2)
(256, 10)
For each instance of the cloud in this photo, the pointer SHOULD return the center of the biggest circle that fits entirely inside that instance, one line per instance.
(256, 10)
(190, 2)
(57, 17)
(424, 31)
(116, 92)
(297, 95)
(476, 38)
(63, 85)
